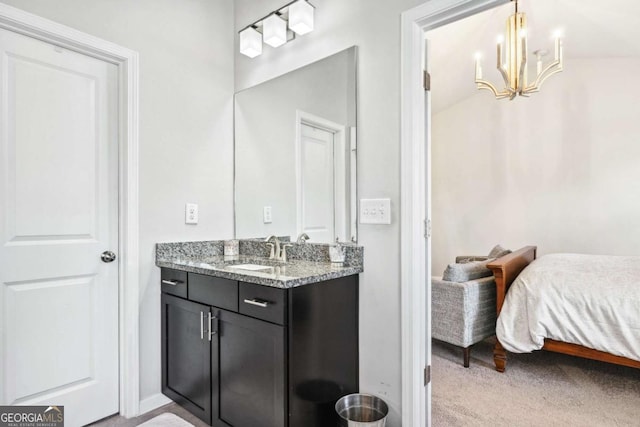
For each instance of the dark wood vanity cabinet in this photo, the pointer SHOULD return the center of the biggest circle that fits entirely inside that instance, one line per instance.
(186, 360)
(275, 358)
(248, 372)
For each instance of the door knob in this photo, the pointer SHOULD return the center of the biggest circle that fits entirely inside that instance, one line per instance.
(108, 256)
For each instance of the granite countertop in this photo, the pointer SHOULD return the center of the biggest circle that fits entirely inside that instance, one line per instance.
(279, 274)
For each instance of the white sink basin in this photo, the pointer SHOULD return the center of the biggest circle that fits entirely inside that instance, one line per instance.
(252, 267)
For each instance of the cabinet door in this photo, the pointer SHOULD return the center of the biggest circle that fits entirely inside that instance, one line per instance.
(186, 355)
(248, 372)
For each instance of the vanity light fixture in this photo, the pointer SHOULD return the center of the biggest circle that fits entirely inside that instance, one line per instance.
(513, 67)
(301, 17)
(250, 42)
(277, 28)
(274, 30)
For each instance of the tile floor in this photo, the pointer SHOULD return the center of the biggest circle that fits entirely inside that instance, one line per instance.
(118, 421)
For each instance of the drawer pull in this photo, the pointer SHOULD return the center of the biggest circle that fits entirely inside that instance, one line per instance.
(212, 331)
(171, 282)
(259, 303)
(202, 326)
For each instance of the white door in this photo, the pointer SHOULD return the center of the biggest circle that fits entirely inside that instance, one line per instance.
(58, 213)
(317, 197)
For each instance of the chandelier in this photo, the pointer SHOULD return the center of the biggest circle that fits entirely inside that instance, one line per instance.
(512, 65)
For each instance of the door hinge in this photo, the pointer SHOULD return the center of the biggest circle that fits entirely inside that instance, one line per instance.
(427, 375)
(426, 81)
(427, 228)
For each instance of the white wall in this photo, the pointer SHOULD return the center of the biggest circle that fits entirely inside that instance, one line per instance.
(186, 134)
(374, 26)
(559, 170)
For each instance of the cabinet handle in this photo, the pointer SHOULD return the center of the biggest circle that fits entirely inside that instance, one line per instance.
(201, 325)
(257, 302)
(171, 282)
(211, 330)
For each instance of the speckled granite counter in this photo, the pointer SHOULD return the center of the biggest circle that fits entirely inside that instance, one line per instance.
(308, 263)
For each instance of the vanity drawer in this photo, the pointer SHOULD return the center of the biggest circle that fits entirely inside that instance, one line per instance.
(174, 282)
(264, 302)
(215, 291)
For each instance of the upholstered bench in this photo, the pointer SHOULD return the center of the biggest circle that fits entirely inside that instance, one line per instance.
(463, 313)
(463, 302)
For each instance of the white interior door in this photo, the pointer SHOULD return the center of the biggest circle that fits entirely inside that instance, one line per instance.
(58, 213)
(317, 196)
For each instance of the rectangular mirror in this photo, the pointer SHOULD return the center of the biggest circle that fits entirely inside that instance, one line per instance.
(295, 153)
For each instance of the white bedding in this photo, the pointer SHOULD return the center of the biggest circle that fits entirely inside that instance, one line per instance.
(591, 300)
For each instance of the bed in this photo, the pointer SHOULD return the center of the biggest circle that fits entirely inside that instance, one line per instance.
(602, 325)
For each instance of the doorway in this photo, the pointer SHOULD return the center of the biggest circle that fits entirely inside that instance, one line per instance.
(415, 221)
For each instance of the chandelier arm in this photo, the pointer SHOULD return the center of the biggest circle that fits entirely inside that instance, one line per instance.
(523, 67)
(551, 69)
(483, 84)
(500, 65)
(522, 84)
(554, 67)
(505, 76)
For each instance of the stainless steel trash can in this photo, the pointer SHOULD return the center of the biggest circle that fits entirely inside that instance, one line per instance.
(361, 410)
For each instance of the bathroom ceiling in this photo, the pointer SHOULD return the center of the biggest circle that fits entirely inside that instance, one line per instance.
(591, 29)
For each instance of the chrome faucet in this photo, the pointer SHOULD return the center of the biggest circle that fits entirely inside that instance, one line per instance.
(302, 238)
(275, 249)
(278, 249)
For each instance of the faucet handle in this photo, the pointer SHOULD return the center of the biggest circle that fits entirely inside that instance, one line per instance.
(272, 253)
(283, 255)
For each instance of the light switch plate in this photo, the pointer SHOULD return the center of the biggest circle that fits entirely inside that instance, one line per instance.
(266, 215)
(191, 213)
(375, 211)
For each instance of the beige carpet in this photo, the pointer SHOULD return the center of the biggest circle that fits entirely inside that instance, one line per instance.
(538, 389)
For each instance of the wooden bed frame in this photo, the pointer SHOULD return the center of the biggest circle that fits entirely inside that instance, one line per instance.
(505, 270)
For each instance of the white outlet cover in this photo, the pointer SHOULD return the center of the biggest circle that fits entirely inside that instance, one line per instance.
(191, 213)
(375, 211)
(267, 218)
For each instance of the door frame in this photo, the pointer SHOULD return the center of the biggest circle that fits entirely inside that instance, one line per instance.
(339, 140)
(415, 204)
(19, 21)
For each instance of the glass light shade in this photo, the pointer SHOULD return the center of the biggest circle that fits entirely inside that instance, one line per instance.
(274, 30)
(250, 42)
(301, 17)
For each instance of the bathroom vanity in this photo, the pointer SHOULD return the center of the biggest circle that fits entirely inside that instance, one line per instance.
(250, 341)
(253, 341)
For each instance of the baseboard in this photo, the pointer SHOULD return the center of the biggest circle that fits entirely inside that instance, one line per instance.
(153, 402)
